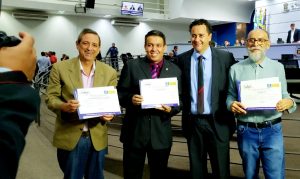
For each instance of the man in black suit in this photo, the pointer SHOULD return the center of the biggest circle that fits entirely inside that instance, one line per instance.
(19, 102)
(146, 131)
(206, 122)
(293, 35)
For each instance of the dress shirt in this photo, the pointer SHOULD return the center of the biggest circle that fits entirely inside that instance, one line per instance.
(248, 70)
(43, 63)
(3, 69)
(292, 36)
(160, 64)
(88, 81)
(207, 75)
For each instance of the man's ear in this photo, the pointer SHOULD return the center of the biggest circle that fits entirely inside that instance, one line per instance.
(268, 44)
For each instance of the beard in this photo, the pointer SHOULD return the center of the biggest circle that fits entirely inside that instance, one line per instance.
(257, 55)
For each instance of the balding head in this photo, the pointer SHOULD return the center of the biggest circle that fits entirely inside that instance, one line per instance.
(257, 44)
(258, 33)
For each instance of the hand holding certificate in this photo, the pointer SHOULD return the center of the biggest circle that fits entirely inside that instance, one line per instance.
(156, 92)
(98, 101)
(260, 94)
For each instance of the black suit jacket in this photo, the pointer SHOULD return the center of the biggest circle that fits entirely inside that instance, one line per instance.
(296, 36)
(223, 120)
(141, 126)
(19, 106)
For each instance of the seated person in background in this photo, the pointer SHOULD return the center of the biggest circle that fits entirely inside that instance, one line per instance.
(124, 58)
(237, 43)
(175, 51)
(19, 102)
(130, 57)
(243, 43)
(226, 43)
(171, 55)
(64, 57)
(99, 56)
(213, 43)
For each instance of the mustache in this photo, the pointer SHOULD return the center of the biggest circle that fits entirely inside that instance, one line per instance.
(255, 48)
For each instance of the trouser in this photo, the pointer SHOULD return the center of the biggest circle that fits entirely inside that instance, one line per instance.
(134, 159)
(82, 161)
(114, 63)
(265, 145)
(204, 141)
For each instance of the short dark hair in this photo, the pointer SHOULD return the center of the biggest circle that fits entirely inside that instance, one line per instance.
(201, 22)
(87, 31)
(175, 47)
(155, 33)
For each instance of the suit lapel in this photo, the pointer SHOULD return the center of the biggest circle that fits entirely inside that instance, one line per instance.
(99, 74)
(216, 69)
(164, 70)
(75, 74)
(145, 67)
(187, 69)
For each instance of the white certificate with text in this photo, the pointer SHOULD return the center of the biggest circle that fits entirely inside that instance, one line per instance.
(156, 92)
(97, 101)
(260, 94)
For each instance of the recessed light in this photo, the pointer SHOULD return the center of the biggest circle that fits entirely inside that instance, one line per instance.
(61, 12)
(107, 16)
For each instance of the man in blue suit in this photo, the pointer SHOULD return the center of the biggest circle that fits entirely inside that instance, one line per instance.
(293, 35)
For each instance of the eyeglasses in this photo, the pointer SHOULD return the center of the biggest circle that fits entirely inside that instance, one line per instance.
(259, 41)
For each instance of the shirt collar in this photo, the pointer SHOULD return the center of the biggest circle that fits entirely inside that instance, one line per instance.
(262, 64)
(3, 69)
(206, 54)
(160, 64)
(93, 68)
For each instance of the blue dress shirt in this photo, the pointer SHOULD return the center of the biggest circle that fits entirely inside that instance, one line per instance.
(207, 75)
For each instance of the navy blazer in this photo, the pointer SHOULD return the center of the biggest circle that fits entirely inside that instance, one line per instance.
(223, 120)
(141, 126)
(296, 36)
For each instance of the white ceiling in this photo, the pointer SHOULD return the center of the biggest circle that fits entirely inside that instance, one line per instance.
(154, 10)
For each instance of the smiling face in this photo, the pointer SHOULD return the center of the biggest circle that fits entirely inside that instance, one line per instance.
(200, 38)
(155, 48)
(88, 47)
(257, 45)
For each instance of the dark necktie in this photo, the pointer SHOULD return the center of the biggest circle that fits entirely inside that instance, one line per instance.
(200, 101)
(154, 69)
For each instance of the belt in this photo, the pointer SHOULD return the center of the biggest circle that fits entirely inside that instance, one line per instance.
(262, 124)
(85, 134)
(201, 116)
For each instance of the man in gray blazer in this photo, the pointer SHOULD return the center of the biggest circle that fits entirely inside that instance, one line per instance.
(206, 122)
(146, 131)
